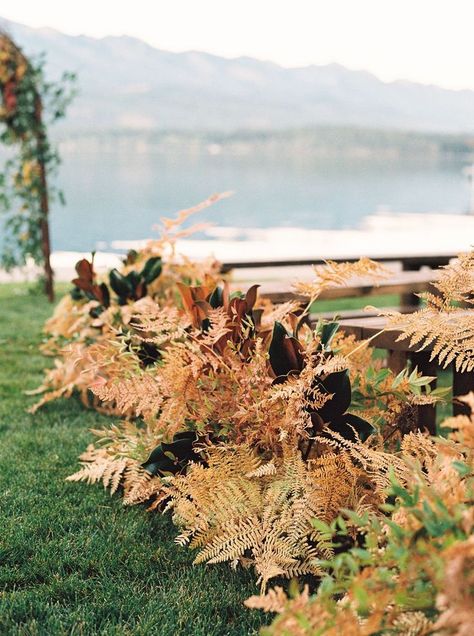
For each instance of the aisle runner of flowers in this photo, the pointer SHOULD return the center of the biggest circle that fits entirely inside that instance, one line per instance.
(276, 444)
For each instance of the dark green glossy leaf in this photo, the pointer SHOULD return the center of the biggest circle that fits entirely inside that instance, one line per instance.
(283, 351)
(76, 293)
(172, 457)
(148, 353)
(158, 463)
(348, 423)
(134, 279)
(185, 435)
(327, 331)
(340, 385)
(216, 299)
(153, 268)
(120, 284)
(105, 293)
(96, 311)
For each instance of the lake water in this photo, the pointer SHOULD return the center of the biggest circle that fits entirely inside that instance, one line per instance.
(120, 193)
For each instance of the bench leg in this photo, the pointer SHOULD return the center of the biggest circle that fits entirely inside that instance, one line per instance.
(426, 413)
(409, 299)
(463, 383)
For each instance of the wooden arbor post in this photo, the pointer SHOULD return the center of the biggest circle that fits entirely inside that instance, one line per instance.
(44, 201)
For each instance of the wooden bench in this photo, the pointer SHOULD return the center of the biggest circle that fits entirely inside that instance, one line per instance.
(399, 352)
(408, 263)
(402, 283)
(408, 282)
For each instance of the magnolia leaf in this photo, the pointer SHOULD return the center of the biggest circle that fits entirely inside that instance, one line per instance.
(338, 384)
(326, 332)
(348, 425)
(285, 352)
(172, 457)
(251, 297)
(158, 462)
(216, 299)
(120, 284)
(84, 269)
(134, 279)
(153, 268)
(105, 295)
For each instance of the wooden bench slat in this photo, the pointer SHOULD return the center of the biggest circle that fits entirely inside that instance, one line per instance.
(408, 262)
(355, 314)
(403, 282)
(364, 328)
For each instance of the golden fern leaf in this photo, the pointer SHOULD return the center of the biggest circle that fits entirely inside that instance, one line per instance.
(98, 465)
(140, 486)
(334, 274)
(456, 282)
(241, 507)
(445, 325)
(413, 624)
(263, 470)
(457, 596)
(274, 600)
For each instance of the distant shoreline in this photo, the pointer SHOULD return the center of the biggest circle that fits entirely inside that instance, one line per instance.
(321, 142)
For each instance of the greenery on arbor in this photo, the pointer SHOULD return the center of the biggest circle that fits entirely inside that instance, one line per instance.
(28, 104)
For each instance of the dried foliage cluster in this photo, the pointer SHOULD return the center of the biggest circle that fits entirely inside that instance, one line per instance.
(98, 310)
(256, 429)
(412, 571)
(447, 321)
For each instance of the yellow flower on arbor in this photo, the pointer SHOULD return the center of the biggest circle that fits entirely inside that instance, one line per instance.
(29, 171)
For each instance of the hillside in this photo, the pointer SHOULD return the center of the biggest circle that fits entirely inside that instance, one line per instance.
(126, 84)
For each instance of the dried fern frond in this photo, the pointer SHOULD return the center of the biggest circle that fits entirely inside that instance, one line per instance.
(80, 321)
(70, 321)
(241, 507)
(68, 375)
(426, 551)
(445, 326)
(110, 466)
(275, 600)
(98, 465)
(334, 274)
(140, 486)
(456, 599)
(171, 230)
(299, 616)
(449, 334)
(456, 281)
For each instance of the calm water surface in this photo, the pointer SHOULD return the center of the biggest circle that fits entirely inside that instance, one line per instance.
(117, 194)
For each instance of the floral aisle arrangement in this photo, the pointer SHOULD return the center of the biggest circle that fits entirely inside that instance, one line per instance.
(251, 423)
(274, 443)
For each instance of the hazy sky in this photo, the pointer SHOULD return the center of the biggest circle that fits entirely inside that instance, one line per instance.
(430, 41)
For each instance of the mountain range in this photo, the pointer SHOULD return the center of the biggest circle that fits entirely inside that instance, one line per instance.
(126, 84)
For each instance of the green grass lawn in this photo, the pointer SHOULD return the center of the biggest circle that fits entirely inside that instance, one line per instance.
(73, 560)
